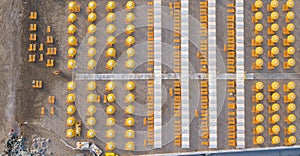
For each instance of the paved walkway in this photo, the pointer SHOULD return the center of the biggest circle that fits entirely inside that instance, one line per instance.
(185, 109)
(212, 74)
(240, 84)
(157, 75)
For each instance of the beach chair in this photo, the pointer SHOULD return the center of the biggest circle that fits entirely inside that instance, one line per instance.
(33, 15)
(41, 58)
(52, 110)
(48, 29)
(32, 27)
(32, 37)
(51, 99)
(49, 40)
(41, 48)
(31, 58)
(42, 111)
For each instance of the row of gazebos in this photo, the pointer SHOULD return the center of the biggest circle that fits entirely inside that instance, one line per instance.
(273, 111)
(287, 42)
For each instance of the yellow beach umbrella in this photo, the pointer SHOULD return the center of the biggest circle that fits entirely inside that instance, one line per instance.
(130, 5)
(291, 107)
(110, 86)
(110, 133)
(274, 27)
(110, 110)
(259, 39)
(259, 50)
(259, 118)
(275, 50)
(130, 29)
(71, 121)
(130, 85)
(129, 17)
(110, 29)
(259, 96)
(110, 64)
(111, 5)
(72, 17)
(291, 85)
(129, 98)
(72, 52)
(92, 17)
(72, 6)
(91, 64)
(129, 122)
(110, 52)
(275, 96)
(110, 17)
(71, 64)
(91, 85)
(274, 15)
(259, 62)
(275, 39)
(259, 85)
(274, 4)
(259, 15)
(291, 96)
(129, 146)
(275, 85)
(91, 52)
(71, 86)
(130, 52)
(290, 15)
(259, 107)
(70, 133)
(91, 110)
(260, 140)
(129, 109)
(72, 41)
(290, 27)
(130, 40)
(91, 40)
(91, 98)
(291, 62)
(275, 140)
(290, 3)
(258, 4)
(291, 50)
(291, 117)
(110, 121)
(275, 118)
(71, 109)
(129, 134)
(110, 146)
(91, 133)
(91, 121)
(259, 129)
(111, 40)
(92, 29)
(275, 129)
(292, 129)
(71, 29)
(71, 98)
(275, 107)
(291, 38)
(292, 140)
(111, 97)
(92, 5)
(130, 64)
(275, 62)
